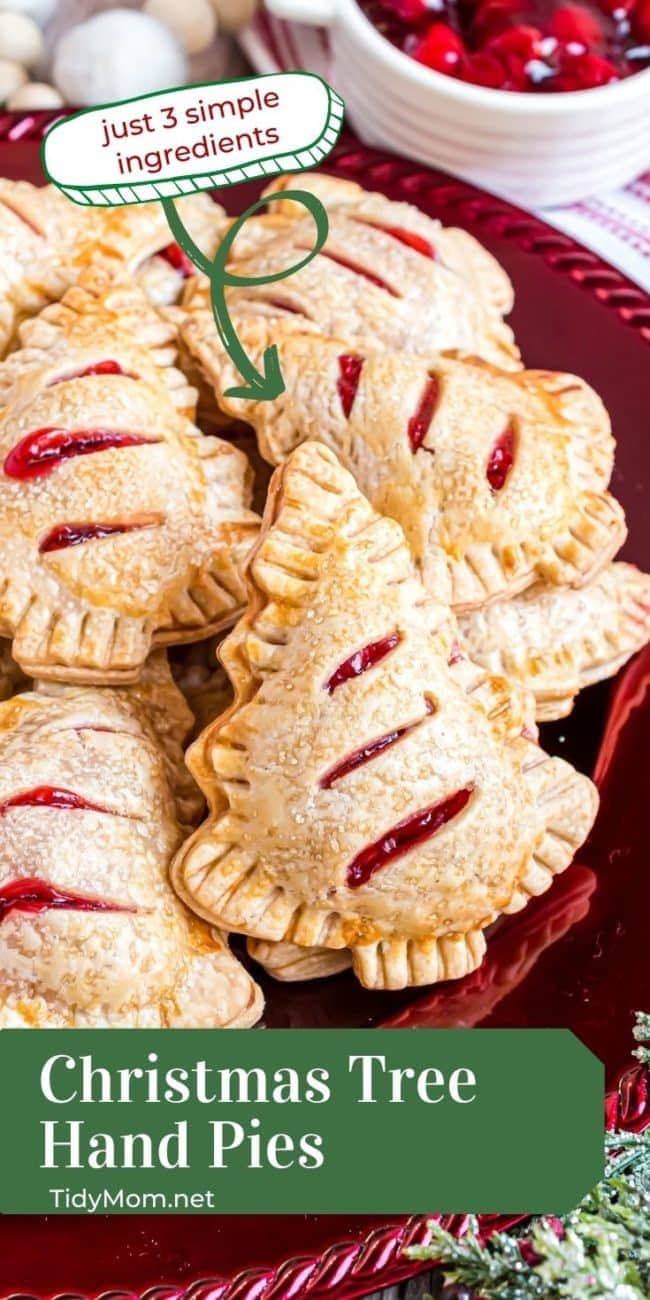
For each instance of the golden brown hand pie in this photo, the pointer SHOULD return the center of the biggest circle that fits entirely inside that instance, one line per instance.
(288, 962)
(557, 641)
(376, 283)
(368, 788)
(120, 524)
(94, 799)
(506, 472)
(204, 683)
(46, 241)
(454, 248)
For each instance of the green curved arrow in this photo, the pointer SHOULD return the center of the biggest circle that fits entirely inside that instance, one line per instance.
(267, 384)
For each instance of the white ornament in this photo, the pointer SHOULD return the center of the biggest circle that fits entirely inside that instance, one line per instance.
(12, 75)
(193, 22)
(40, 10)
(117, 54)
(233, 14)
(35, 94)
(20, 39)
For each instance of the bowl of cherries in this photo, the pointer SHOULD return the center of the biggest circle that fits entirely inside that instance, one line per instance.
(544, 101)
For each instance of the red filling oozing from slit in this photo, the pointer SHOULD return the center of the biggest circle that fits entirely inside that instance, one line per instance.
(98, 368)
(34, 895)
(414, 830)
(50, 796)
(360, 270)
(65, 535)
(371, 750)
(501, 459)
(362, 660)
(350, 368)
(403, 236)
(174, 255)
(420, 423)
(39, 452)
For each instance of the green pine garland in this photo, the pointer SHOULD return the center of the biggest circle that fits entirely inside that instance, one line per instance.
(601, 1251)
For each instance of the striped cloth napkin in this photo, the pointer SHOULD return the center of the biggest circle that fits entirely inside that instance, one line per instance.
(615, 225)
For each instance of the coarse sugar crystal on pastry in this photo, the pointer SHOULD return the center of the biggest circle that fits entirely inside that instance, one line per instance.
(121, 525)
(366, 285)
(94, 799)
(505, 472)
(558, 640)
(46, 241)
(369, 788)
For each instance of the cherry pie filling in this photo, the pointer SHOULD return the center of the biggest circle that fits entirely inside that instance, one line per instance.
(520, 45)
(406, 835)
(51, 796)
(40, 451)
(372, 750)
(420, 423)
(501, 459)
(98, 368)
(34, 896)
(407, 237)
(350, 368)
(362, 660)
(64, 535)
(173, 254)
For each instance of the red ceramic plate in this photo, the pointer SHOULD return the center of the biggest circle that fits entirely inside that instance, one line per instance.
(577, 957)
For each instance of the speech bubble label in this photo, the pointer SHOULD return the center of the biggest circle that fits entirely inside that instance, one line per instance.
(174, 142)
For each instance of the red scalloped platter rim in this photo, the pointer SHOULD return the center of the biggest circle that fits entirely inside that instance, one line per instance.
(347, 1258)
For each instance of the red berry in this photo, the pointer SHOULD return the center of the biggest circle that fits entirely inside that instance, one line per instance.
(521, 41)
(441, 49)
(484, 69)
(641, 21)
(494, 17)
(584, 72)
(572, 23)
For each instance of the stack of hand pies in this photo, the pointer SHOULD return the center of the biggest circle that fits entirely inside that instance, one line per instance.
(432, 575)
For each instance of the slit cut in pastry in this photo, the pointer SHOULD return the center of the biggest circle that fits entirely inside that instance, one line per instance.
(122, 525)
(505, 472)
(557, 641)
(94, 799)
(388, 276)
(46, 241)
(428, 835)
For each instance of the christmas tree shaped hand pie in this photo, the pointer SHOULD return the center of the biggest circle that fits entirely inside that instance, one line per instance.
(120, 524)
(368, 788)
(505, 472)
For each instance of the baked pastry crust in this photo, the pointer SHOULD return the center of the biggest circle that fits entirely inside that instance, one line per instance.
(203, 682)
(455, 248)
(420, 440)
(142, 542)
(326, 782)
(557, 641)
(370, 285)
(289, 963)
(46, 241)
(94, 799)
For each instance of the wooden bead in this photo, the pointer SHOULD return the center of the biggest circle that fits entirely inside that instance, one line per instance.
(12, 76)
(21, 39)
(233, 14)
(35, 94)
(193, 22)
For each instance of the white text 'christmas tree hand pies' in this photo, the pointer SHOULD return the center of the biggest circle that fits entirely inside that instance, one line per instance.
(505, 471)
(93, 802)
(368, 788)
(557, 641)
(454, 248)
(120, 524)
(369, 285)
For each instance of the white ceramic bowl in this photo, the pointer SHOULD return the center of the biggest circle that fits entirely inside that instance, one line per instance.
(536, 149)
